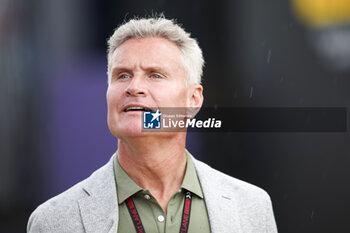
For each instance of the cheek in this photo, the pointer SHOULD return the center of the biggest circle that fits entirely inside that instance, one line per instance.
(112, 96)
(173, 98)
(112, 110)
(112, 103)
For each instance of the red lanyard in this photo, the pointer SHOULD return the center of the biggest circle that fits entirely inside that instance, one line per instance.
(185, 221)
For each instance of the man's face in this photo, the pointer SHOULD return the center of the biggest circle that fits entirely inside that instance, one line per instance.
(146, 74)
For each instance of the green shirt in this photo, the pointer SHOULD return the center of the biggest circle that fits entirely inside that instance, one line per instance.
(153, 217)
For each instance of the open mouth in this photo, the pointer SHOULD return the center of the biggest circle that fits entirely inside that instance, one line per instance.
(134, 109)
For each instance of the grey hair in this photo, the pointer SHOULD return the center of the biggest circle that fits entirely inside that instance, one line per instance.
(161, 27)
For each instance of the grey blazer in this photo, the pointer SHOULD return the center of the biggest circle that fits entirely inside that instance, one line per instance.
(91, 206)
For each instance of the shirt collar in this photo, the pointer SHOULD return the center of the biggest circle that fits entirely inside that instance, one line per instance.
(191, 181)
(126, 187)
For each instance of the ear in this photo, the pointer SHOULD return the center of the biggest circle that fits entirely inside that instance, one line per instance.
(196, 96)
(195, 99)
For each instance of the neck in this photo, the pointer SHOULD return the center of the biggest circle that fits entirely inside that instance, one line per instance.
(157, 165)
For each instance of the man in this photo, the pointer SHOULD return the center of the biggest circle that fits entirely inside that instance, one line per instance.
(152, 184)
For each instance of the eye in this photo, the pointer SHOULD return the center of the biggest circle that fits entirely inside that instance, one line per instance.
(124, 76)
(156, 76)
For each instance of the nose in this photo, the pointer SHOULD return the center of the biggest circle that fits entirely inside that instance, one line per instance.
(135, 87)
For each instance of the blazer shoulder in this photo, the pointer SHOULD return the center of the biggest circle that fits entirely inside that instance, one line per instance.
(63, 209)
(55, 212)
(252, 204)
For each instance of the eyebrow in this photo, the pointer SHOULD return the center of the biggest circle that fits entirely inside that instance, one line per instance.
(120, 69)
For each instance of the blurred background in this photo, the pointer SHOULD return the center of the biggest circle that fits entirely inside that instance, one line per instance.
(272, 53)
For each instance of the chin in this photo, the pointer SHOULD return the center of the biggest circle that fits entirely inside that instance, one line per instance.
(127, 132)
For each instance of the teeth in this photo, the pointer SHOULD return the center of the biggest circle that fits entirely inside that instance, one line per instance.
(136, 109)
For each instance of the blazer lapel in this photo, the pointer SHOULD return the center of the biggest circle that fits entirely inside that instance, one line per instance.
(99, 210)
(220, 202)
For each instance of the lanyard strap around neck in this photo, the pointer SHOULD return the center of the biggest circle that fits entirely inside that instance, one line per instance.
(185, 220)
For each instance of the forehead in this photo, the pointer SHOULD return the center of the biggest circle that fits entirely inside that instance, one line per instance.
(148, 51)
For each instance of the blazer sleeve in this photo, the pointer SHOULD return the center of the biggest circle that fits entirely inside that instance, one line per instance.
(271, 226)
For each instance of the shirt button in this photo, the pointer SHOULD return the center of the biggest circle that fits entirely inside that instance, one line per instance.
(161, 218)
(147, 197)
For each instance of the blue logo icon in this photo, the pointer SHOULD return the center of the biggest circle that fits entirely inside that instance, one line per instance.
(151, 120)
